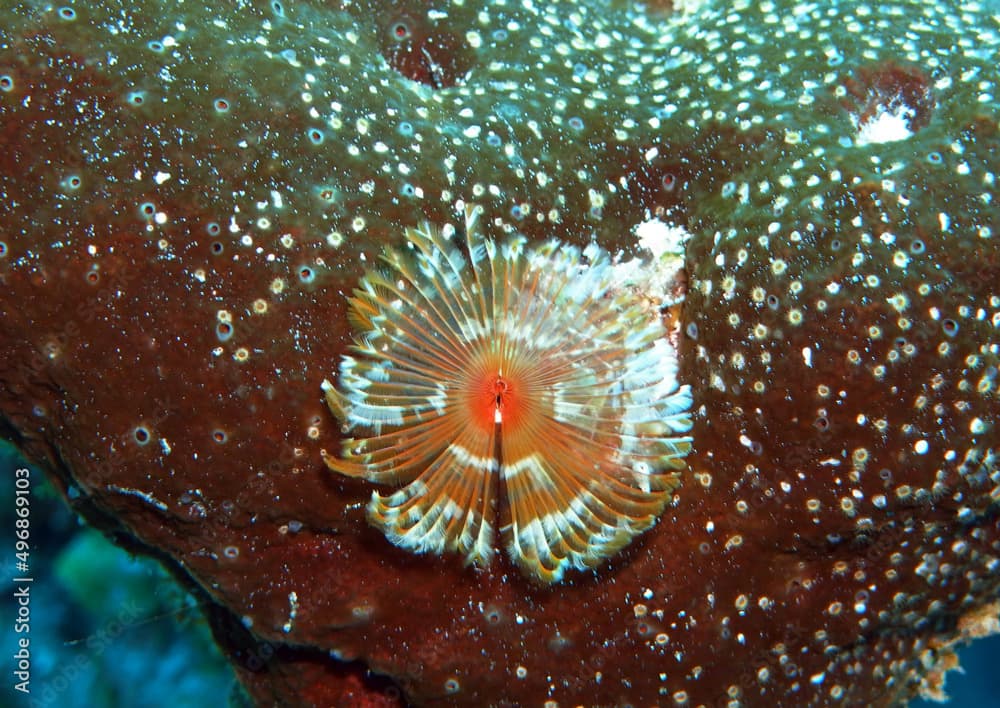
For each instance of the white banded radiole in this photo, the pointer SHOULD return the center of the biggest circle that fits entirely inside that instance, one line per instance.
(512, 387)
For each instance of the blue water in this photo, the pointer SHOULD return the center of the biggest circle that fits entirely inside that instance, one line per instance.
(106, 629)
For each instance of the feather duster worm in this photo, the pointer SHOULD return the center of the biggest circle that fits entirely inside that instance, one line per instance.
(477, 361)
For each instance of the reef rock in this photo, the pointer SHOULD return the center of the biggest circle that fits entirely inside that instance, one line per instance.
(189, 193)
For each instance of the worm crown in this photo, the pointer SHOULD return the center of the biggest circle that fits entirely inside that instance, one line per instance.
(501, 385)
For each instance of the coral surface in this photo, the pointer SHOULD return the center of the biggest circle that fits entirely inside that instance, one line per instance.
(189, 192)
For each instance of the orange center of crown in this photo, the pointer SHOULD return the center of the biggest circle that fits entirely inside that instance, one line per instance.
(502, 395)
(494, 400)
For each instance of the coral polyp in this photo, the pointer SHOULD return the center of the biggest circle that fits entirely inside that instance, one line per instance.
(509, 386)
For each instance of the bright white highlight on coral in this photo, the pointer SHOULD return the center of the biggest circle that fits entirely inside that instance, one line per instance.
(505, 382)
(658, 277)
(661, 239)
(886, 126)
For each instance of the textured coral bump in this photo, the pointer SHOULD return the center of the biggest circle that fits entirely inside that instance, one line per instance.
(475, 360)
